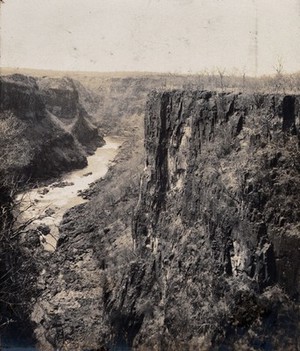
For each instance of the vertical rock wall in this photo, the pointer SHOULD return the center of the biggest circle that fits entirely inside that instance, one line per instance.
(218, 219)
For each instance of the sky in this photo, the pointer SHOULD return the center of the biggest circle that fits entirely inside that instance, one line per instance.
(178, 36)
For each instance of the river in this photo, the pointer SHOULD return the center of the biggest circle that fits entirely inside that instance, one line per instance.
(47, 204)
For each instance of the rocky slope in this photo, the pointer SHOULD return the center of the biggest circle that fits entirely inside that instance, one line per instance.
(212, 260)
(87, 134)
(54, 146)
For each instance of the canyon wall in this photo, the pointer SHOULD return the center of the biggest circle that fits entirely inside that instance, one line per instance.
(60, 97)
(66, 99)
(218, 221)
(117, 101)
(55, 126)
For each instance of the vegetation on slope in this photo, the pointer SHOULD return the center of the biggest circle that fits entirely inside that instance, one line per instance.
(18, 263)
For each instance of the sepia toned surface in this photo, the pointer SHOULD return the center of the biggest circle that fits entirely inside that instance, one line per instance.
(183, 36)
(149, 175)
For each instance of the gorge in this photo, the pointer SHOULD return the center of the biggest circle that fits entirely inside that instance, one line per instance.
(191, 240)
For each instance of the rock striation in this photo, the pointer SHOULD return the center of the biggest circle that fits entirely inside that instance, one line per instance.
(215, 252)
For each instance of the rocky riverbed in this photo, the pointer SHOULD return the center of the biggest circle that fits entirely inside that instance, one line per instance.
(46, 205)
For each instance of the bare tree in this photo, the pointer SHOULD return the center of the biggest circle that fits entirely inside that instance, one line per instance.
(16, 263)
(279, 83)
(221, 73)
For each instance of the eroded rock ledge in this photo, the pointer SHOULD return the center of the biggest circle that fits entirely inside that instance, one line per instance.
(214, 262)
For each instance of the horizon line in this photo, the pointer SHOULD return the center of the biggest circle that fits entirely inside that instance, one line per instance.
(214, 73)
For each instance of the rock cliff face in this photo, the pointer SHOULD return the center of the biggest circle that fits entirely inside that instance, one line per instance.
(217, 223)
(60, 97)
(20, 95)
(214, 261)
(55, 125)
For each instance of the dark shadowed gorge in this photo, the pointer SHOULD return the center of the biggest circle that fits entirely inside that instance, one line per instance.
(191, 240)
(211, 259)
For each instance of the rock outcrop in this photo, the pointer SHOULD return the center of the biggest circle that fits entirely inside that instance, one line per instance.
(62, 99)
(20, 95)
(214, 262)
(54, 125)
(87, 134)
